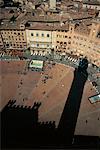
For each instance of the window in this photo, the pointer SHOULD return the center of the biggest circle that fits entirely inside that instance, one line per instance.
(37, 34)
(81, 38)
(7, 45)
(69, 42)
(64, 42)
(47, 45)
(37, 45)
(42, 35)
(14, 32)
(18, 33)
(65, 36)
(31, 34)
(48, 35)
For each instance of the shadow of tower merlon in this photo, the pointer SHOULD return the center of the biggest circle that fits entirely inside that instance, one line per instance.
(69, 116)
(17, 124)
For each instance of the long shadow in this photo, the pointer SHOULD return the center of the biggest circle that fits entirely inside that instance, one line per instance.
(20, 127)
(69, 116)
(17, 124)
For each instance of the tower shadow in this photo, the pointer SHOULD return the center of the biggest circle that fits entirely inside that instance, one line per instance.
(20, 127)
(18, 124)
(69, 116)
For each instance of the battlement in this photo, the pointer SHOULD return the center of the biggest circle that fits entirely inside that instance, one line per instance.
(48, 124)
(12, 104)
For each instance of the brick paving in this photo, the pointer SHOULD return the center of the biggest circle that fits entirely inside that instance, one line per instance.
(27, 87)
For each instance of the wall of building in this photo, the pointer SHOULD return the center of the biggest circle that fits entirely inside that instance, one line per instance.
(14, 39)
(39, 39)
(78, 43)
(62, 41)
(20, 1)
(87, 45)
(97, 7)
(52, 4)
(1, 42)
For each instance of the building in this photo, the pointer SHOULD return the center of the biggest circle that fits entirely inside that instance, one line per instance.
(93, 4)
(1, 2)
(1, 42)
(39, 38)
(52, 4)
(13, 36)
(63, 39)
(79, 39)
(86, 42)
(75, 35)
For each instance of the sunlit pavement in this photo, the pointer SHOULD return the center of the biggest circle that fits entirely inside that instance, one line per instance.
(67, 60)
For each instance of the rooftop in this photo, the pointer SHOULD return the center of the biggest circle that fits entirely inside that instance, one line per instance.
(92, 2)
(83, 28)
(47, 26)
